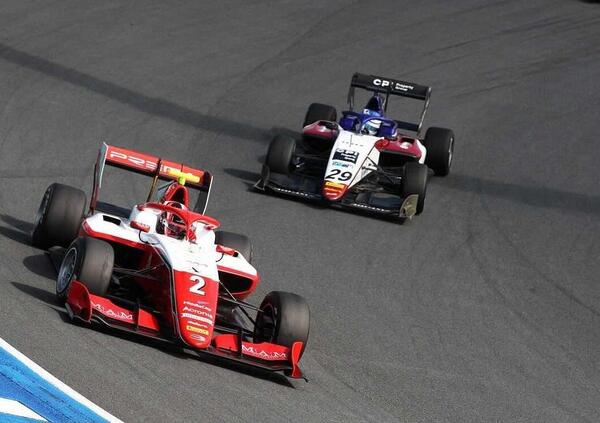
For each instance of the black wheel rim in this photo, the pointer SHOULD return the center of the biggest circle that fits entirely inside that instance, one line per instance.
(67, 271)
(266, 324)
(39, 217)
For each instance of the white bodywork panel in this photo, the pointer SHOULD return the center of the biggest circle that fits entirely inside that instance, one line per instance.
(354, 156)
(199, 257)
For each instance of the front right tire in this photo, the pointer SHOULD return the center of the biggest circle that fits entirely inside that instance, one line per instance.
(284, 319)
(238, 242)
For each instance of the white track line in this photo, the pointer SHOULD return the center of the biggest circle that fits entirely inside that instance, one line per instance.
(57, 383)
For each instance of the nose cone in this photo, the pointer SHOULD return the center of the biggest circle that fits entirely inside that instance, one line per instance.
(333, 191)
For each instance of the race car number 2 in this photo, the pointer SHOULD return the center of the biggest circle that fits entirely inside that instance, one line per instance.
(339, 175)
(198, 285)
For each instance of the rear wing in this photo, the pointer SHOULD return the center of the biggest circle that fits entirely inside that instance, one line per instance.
(389, 87)
(154, 167)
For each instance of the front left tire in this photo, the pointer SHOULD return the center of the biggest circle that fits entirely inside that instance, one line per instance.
(88, 260)
(414, 181)
(280, 154)
(439, 143)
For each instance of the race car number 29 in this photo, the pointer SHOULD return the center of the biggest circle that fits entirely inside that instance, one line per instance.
(198, 285)
(339, 175)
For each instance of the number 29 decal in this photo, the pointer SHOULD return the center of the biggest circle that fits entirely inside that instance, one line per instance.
(198, 285)
(337, 174)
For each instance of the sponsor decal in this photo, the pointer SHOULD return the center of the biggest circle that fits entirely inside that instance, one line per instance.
(198, 312)
(195, 323)
(335, 185)
(138, 161)
(194, 317)
(119, 315)
(405, 145)
(337, 163)
(198, 337)
(199, 304)
(197, 330)
(265, 355)
(394, 84)
(345, 155)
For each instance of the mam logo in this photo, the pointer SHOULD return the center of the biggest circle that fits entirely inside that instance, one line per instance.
(109, 312)
(265, 355)
(398, 86)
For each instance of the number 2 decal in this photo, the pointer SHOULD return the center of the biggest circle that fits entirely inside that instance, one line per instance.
(198, 285)
(339, 175)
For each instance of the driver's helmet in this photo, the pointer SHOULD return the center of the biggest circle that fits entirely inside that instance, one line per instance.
(170, 224)
(371, 127)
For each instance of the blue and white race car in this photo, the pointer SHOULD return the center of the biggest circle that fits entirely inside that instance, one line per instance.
(363, 161)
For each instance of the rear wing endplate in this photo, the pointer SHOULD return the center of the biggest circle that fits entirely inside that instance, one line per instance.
(155, 167)
(389, 86)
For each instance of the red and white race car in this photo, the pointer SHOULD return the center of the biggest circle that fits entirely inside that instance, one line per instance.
(161, 270)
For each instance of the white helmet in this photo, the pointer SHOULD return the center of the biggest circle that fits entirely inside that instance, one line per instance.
(371, 127)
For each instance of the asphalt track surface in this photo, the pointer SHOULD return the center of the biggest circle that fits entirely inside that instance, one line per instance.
(484, 308)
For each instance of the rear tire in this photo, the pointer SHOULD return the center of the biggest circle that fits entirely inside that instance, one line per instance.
(240, 243)
(414, 181)
(59, 216)
(318, 111)
(90, 261)
(284, 319)
(280, 154)
(439, 143)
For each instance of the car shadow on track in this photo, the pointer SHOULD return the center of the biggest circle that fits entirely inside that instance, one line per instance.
(19, 230)
(44, 296)
(530, 195)
(146, 104)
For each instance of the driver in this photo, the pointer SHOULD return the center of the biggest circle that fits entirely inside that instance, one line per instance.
(373, 108)
(371, 127)
(170, 224)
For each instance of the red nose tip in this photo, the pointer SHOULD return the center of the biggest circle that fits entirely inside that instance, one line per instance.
(333, 191)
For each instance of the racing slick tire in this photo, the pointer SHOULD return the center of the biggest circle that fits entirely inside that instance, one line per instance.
(284, 319)
(439, 143)
(414, 181)
(318, 111)
(240, 243)
(280, 154)
(88, 260)
(59, 216)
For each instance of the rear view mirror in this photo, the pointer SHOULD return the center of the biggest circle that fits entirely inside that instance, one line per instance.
(139, 226)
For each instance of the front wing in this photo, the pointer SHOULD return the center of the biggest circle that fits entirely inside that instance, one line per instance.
(365, 200)
(84, 307)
